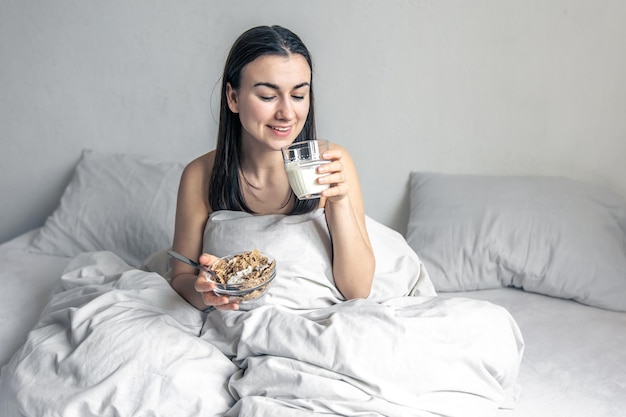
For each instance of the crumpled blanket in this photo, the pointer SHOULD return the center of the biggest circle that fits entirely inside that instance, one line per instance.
(116, 341)
(417, 356)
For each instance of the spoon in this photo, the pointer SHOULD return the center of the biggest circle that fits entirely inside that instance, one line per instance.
(188, 261)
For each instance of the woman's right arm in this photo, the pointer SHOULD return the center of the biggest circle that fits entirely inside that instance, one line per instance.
(192, 212)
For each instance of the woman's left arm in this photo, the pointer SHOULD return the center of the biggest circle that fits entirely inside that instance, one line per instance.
(353, 258)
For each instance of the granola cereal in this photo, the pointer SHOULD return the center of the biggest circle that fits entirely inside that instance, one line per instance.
(246, 270)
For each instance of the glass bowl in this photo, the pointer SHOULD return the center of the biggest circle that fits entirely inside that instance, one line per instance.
(243, 276)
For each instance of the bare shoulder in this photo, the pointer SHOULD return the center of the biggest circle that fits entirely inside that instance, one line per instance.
(194, 183)
(201, 166)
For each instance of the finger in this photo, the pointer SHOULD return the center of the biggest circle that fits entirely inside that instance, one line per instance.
(229, 306)
(211, 299)
(220, 302)
(335, 178)
(336, 191)
(332, 154)
(202, 284)
(207, 259)
(334, 166)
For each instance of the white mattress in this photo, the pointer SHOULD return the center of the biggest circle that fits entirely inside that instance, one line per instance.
(26, 281)
(575, 356)
(574, 362)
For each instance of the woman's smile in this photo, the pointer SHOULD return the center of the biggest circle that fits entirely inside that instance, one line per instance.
(281, 131)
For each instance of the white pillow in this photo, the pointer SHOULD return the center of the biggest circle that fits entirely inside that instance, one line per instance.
(117, 202)
(548, 235)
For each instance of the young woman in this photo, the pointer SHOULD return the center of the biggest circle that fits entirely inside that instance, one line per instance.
(266, 104)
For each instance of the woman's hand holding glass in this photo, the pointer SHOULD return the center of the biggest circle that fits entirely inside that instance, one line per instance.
(338, 189)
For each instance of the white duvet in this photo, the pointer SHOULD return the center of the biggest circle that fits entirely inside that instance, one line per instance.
(116, 341)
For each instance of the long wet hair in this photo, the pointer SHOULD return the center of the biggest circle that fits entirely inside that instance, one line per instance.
(224, 187)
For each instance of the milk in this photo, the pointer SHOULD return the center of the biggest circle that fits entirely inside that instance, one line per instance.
(303, 178)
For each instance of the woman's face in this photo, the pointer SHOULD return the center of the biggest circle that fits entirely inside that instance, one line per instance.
(273, 99)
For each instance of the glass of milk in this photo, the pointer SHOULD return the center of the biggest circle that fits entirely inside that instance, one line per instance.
(301, 162)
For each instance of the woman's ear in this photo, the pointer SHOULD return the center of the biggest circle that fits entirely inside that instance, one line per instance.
(231, 97)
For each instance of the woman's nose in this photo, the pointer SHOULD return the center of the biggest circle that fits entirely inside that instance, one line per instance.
(285, 110)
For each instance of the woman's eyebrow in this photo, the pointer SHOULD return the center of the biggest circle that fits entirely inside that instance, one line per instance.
(275, 87)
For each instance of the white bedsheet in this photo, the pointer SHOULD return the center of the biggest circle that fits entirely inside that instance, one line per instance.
(26, 281)
(574, 361)
(119, 341)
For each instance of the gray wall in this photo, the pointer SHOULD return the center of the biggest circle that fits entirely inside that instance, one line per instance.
(499, 87)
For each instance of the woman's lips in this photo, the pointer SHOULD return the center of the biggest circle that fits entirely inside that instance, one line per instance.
(281, 130)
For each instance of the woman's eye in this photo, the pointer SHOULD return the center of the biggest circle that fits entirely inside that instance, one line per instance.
(267, 98)
(298, 98)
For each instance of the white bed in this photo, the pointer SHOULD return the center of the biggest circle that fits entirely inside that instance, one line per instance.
(574, 361)
(27, 281)
(501, 233)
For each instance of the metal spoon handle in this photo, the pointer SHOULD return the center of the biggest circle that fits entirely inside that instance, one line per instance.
(188, 261)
